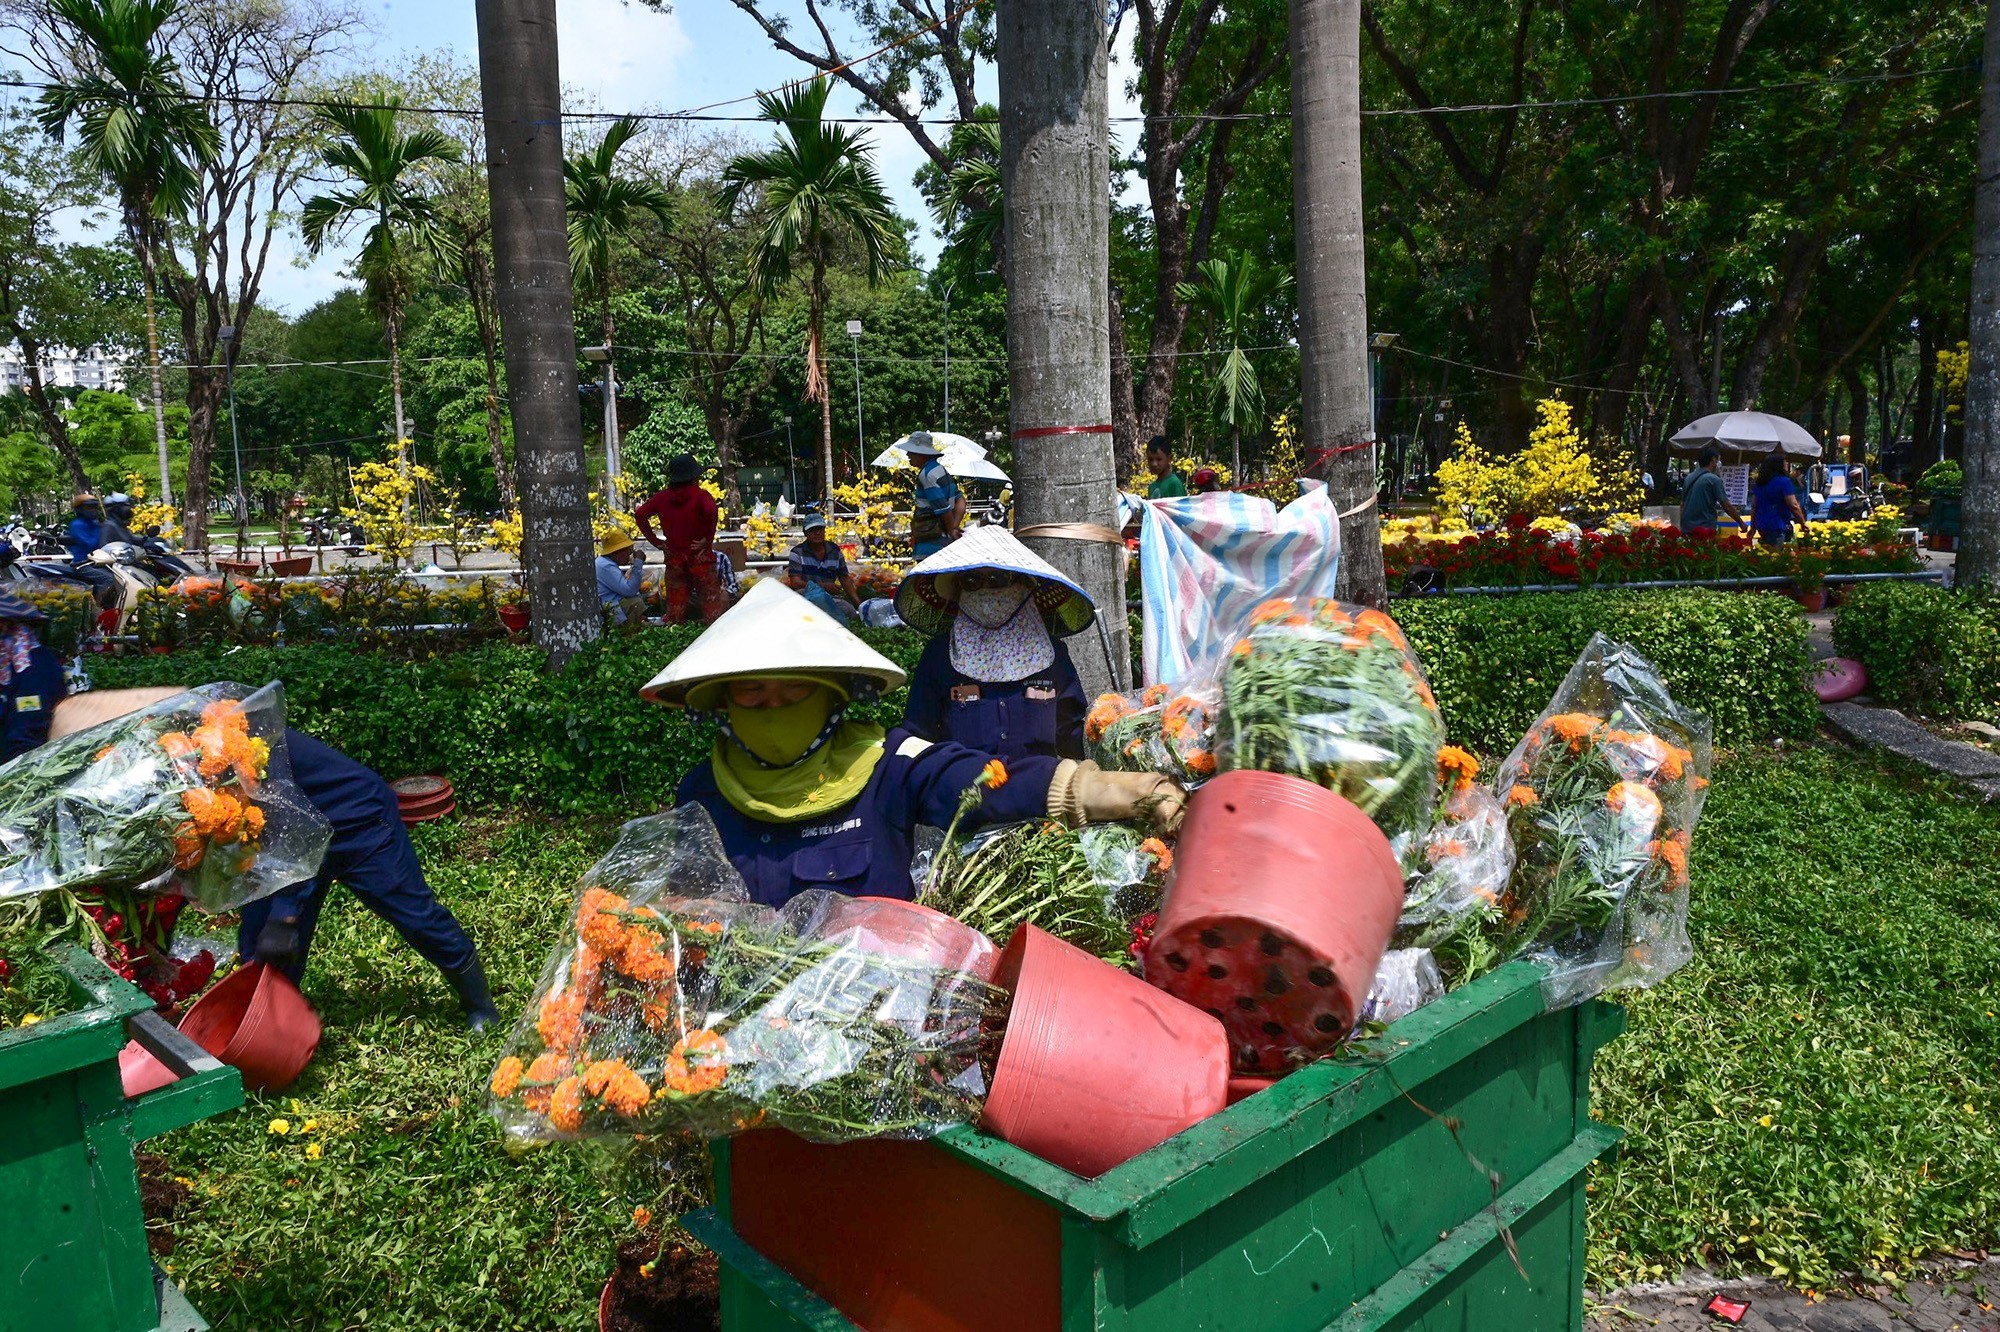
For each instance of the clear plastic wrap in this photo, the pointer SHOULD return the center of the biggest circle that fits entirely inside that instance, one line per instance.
(191, 796)
(673, 1004)
(1407, 979)
(1451, 905)
(1333, 694)
(1602, 796)
(1084, 885)
(1157, 729)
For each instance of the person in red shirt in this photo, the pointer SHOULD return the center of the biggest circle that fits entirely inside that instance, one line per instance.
(681, 520)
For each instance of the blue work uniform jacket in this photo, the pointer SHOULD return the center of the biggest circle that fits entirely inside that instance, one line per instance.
(863, 848)
(1042, 714)
(84, 536)
(355, 798)
(30, 699)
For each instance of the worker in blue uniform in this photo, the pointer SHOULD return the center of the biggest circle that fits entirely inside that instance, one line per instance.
(995, 675)
(31, 678)
(372, 857)
(805, 797)
(370, 853)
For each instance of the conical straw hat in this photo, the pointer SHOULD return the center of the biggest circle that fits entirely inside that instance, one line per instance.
(771, 631)
(928, 596)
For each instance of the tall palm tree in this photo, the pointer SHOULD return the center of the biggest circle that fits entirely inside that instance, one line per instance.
(1333, 278)
(135, 123)
(385, 166)
(604, 208)
(817, 181)
(1228, 294)
(973, 207)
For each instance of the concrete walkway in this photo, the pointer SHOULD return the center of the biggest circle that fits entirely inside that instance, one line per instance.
(1960, 1298)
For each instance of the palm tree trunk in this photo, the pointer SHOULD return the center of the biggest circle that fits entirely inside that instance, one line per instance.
(1333, 287)
(816, 370)
(153, 370)
(394, 322)
(614, 463)
(1055, 165)
(1979, 555)
(521, 89)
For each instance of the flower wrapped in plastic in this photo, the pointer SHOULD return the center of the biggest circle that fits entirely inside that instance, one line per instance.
(1602, 795)
(191, 796)
(1158, 729)
(1451, 904)
(1333, 694)
(1084, 885)
(673, 1004)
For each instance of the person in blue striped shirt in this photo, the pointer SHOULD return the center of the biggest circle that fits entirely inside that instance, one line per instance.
(939, 508)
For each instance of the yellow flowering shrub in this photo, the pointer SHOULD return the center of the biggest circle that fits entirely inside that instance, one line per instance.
(384, 496)
(604, 520)
(1283, 487)
(1553, 475)
(763, 539)
(1188, 466)
(506, 534)
(163, 516)
(1954, 367)
(872, 521)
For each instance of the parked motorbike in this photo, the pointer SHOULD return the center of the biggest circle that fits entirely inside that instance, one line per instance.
(131, 576)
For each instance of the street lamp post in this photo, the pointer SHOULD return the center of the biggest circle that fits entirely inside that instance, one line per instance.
(596, 356)
(226, 335)
(791, 459)
(860, 444)
(947, 354)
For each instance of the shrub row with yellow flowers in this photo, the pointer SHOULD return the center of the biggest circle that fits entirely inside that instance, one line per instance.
(374, 608)
(1554, 477)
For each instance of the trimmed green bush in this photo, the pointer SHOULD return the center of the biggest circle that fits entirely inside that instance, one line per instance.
(582, 741)
(1494, 661)
(1924, 648)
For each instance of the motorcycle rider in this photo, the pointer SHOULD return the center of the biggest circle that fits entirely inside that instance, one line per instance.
(117, 524)
(85, 535)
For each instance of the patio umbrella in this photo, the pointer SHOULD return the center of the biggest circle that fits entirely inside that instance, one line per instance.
(1747, 432)
(948, 444)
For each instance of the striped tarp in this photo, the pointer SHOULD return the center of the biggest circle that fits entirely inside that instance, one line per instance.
(1206, 561)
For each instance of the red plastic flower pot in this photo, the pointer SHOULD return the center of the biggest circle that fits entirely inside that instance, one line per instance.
(258, 1022)
(1096, 1065)
(515, 618)
(912, 932)
(1281, 903)
(1839, 678)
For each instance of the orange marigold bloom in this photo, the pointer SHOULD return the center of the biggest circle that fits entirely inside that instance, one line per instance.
(658, 1013)
(1575, 728)
(1634, 796)
(1103, 714)
(178, 744)
(1200, 762)
(1456, 767)
(253, 821)
(626, 1092)
(506, 1077)
(1380, 622)
(1277, 608)
(1162, 854)
(1445, 849)
(993, 775)
(560, 1021)
(218, 816)
(548, 1067)
(1328, 611)
(597, 921)
(695, 1065)
(644, 959)
(566, 1106)
(642, 1217)
(1675, 857)
(1524, 797)
(189, 848)
(1154, 694)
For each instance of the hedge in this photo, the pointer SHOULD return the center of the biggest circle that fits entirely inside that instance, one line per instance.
(1925, 649)
(581, 740)
(1494, 661)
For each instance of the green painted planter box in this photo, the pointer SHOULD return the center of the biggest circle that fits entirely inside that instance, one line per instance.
(71, 1229)
(1433, 1180)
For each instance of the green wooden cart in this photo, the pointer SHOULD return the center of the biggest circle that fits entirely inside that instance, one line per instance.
(71, 1228)
(1435, 1179)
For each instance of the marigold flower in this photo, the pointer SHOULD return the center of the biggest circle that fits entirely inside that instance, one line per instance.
(1200, 762)
(598, 923)
(178, 744)
(1675, 857)
(1575, 728)
(1445, 849)
(1523, 797)
(561, 1021)
(507, 1077)
(695, 1065)
(642, 1217)
(1636, 797)
(1153, 694)
(1275, 609)
(643, 958)
(218, 816)
(566, 1106)
(314, 1151)
(993, 775)
(189, 848)
(1456, 767)
(1162, 854)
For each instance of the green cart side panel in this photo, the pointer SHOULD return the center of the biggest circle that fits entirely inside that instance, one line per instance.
(1436, 1181)
(72, 1230)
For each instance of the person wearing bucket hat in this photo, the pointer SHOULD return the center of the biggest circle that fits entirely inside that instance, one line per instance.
(31, 678)
(937, 509)
(621, 577)
(805, 797)
(818, 561)
(995, 675)
(681, 521)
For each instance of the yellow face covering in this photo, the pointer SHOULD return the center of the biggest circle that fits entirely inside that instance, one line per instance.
(801, 786)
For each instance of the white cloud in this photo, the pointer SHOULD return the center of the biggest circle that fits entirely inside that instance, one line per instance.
(621, 56)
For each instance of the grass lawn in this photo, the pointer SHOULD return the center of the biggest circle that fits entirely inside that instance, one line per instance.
(1815, 1093)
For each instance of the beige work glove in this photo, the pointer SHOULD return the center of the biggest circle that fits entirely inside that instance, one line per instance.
(1084, 793)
